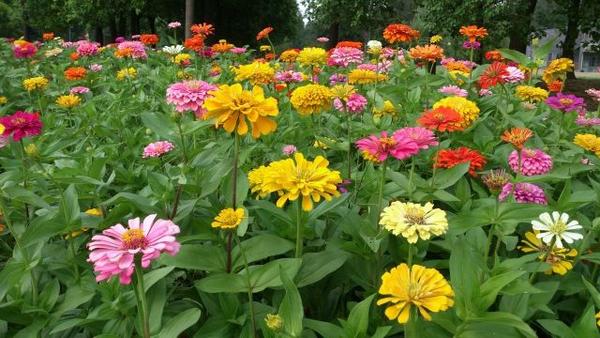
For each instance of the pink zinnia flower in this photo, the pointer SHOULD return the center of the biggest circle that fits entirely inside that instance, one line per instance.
(189, 95)
(323, 39)
(174, 24)
(119, 39)
(523, 193)
(21, 124)
(514, 75)
(485, 92)
(453, 90)
(79, 90)
(289, 149)
(113, 252)
(137, 49)
(594, 93)
(367, 66)
(378, 149)
(157, 149)
(95, 67)
(238, 50)
(565, 102)
(337, 79)
(344, 56)
(584, 121)
(68, 44)
(424, 138)
(355, 103)
(24, 49)
(87, 48)
(471, 45)
(289, 76)
(533, 162)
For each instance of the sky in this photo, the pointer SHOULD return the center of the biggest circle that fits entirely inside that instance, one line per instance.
(302, 9)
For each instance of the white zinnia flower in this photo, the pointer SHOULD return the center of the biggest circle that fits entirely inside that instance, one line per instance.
(173, 50)
(556, 227)
(374, 44)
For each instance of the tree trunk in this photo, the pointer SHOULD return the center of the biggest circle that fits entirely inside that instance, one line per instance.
(99, 35)
(334, 34)
(113, 29)
(122, 28)
(134, 23)
(189, 17)
(521, 26)
(568, 46)
(152, 23)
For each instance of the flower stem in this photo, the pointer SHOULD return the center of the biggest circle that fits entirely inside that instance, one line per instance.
(299, 229)
(249, 285)
(488, 244)
(410, 178)
(409, 260)
(25, 166)
(236, 155)
(141, 296)
(229, 238)
(349, 147)
(410, 328)
(380, 194)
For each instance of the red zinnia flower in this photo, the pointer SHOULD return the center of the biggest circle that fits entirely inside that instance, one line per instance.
(21, 124)
(494, 55)
(47, 36)
(195, 43)
(149, 39)
(441, 119)
(555, 86)
(264, 33)
(493, 75)
(353, 44)
(448, 158)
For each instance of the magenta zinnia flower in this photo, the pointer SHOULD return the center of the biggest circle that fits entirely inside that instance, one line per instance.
(533, 162)
(113, 252)
(87, 48)
(453, 90)
(523, 193)
(378, 149)
(189, 95)
(24, 49)
(344, 56)
(289, 76)
(138, 51)
(565, 102)
(424, 138)
(21, 124)
(355, 103)
(157, 149)
(337, 79)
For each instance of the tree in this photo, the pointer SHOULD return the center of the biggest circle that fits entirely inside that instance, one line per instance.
(189, 16)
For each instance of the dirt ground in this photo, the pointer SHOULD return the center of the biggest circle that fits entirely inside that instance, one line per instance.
(582, 82)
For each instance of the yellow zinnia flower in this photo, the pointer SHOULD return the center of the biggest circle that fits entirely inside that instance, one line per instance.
(181, 58)
(228, 218)
(312, 56)
(589, 142)
(2, 129)
(598, 317)
(265, 48)
(230, 106)
(435, 38)
(3, 99)
(458, 76)
(68, 101)
(387, 109)
(531, 94)
(560, 259)
(295, 178)
(557, 69)
(405, 286)
(33, 83)
(289, 55)
(258, 73)
(274, 321)
(365, 76)
(311, 98)
(94, 212)
(129, 73)
(468, 110)
(342, 91)
(414, 221)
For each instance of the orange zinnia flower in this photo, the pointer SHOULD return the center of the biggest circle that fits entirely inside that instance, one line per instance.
(263, 34)
(149, 39)
(353, 44)
(74, 56)
(204, 29)
(441, 119)
(448, 158)
(555, 86)
(517, 136)
(48, 36)
(75, 73)
(398, 32)
(494, 55)
(493, 75)
(456, 65)
(221, 47)
(428, 52)
(195, 43)
(473, 32)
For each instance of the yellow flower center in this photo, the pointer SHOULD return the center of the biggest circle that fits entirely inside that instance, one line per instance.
(133, 239)
(558, 228)
(566, 102)
(230, 219)
(414, 216)
(414, 291)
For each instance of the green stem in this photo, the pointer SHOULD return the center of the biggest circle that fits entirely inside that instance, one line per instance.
(24, 164)
(410, 328)
(380, 194)
(488, 244)
(410, 178)
(498, 242)
(248, 285)
(299, 228)
(74, 254)
(236, 156)
(349, 147)
(183, 147)
(141, 296)
(409, 260)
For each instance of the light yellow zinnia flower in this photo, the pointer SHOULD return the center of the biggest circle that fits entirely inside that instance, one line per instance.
(297, 178)
(467, 109)
(3, 99)
(404, 287)
(414, 220)
(311, 98)
(68, 101)
(388, 109)
(228, 218)
(33, 83)
(435, 39)
(258, 73)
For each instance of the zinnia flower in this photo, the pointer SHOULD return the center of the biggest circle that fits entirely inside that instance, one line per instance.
(495, 180)
(398, 32)
(448, 158)
(189, 95)
(75, 73)
(232, 107)
(195, 43)
(113, 252)
(517, 136)
(453, 90)
(87, 48)
(311, 56)
(228, 218)
(133, 49)
(47, 36)
(23, 49)
(533, 162)
(352, 44)
(404, 287)
(21, 124)
(289, 149)
(221, 47)
(378, 149)
(555, 229)
(531, 94)
(258, 73)
(289, 76)
(565, 102)
(296, 178)
(523, 193)
(157, 149)
(467, 109)
(311, 98)
(387, 109)
(79, 90)
(594, 94)
(589, 142)
(473, 32)
(344, 56)
(127, 73)
(560, 259)
(435, 39)
(149, 39)
(264, 33)
(33, 83)
(429, 53)
(514, 75)
(68, 101)
(289, 55)
(422, 137)
(355, 103)
(323, 39)
(365, 76)
(557, 69)
(174, 24)
(441, 119)
(204, 29)
(494, 75)
(414, 221)
(95, 67)
(274, 321)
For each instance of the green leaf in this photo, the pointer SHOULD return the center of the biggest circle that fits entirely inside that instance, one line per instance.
(585, 326)
(291, 309)
(26, 196)
(69, 205)
(176, 325)
(358, 320)
(140, 202)
(222, 282)
(160, 124)
(542, 51)
(317, 265)
(156, 275)
(491, 287)
(592, 290)
(260, 247)
(557, 328)
(445, 178)
(497, 318)
(197, 257)
(325, 207)
(515, 56)
(325, 329)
